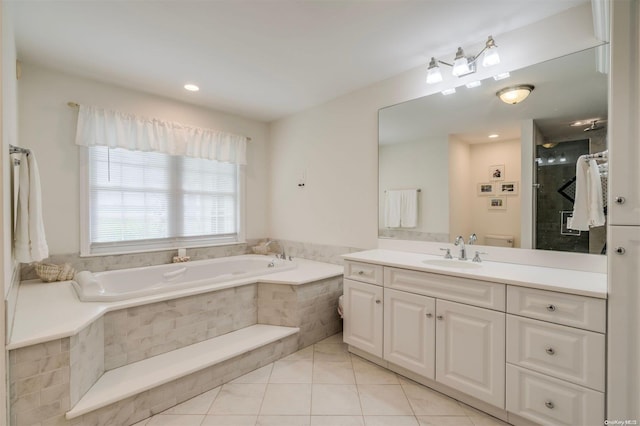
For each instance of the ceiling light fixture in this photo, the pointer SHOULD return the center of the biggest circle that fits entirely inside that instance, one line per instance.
(191, 87)
(514, 94)
(463, 65)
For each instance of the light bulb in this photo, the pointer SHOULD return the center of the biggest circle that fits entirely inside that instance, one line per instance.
(491, 56)
(460, 64)
(433, 72)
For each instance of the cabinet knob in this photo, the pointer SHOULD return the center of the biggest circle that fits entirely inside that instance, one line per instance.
(620, 200)
(378, 301)
(551, 308)
(360, 272)
(440, 317)
(550, 351)
(620, 250)
(429, 315)
(549, 404)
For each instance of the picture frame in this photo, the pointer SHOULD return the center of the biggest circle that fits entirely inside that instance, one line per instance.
(496, 172)
(497, 203)
(508, 188)
(486, 189)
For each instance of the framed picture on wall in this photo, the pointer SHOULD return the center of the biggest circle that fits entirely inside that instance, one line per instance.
(508, 188)
(486, 188)
(496, 172)
(497, 203)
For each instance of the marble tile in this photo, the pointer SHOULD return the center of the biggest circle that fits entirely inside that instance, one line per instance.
(141, 423)
(295, 371)
(444, 421)
(230, 420)
(336, 338)
(198, 405)
(336, 400)
(331, 352)
(384, 400)
(283, 421)
(390, 421)
(287, 399)
(175, 420)
(368, 373)
(306, 353)
(480, 418)
(261, 375)
(333, 372)
(238, 399)
(428, 402)
(337, 421)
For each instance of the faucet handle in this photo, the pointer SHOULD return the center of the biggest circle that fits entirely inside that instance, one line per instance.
(447, 255)
(476, 258)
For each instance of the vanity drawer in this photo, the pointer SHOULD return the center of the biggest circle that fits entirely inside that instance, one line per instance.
(472, 292)
(550, 401)
(563, 352)
(568, 309)
(364, 272)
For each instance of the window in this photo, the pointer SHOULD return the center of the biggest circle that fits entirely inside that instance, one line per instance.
(136, 201)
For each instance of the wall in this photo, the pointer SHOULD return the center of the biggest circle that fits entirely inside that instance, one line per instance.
(484, 220)
(47, 126)
(459, 178)
(410, 165)
(336, 143)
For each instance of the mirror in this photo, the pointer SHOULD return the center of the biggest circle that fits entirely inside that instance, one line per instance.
(463, 181)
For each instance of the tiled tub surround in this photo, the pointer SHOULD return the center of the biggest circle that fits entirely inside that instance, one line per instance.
(49, 373)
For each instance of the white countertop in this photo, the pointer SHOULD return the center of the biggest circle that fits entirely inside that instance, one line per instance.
(591, 284)
(47, 311)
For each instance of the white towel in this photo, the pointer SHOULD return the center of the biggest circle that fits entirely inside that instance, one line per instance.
(401, 208)
(588, 209)
(392, 204)
(30, 243)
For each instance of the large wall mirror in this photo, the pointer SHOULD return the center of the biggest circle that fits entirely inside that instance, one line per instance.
(469, 163)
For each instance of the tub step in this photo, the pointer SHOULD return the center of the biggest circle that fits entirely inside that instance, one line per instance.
(132, 379)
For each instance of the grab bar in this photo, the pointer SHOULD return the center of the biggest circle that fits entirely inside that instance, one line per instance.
(174, 274)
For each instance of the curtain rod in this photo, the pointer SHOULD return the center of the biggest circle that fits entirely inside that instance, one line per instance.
(76, 105)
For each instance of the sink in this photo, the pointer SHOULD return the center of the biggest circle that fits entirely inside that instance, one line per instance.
(452, 263)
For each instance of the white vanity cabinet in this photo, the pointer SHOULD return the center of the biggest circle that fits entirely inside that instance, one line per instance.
(363, 307)
(555, 372)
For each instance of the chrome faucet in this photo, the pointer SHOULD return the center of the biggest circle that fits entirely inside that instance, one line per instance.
(472, 239)
(463, 251)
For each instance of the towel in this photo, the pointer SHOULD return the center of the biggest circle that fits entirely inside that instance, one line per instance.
(588, 209)
(401, 208)
(30, 243)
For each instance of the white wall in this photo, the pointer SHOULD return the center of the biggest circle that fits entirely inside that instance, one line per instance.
(461, 186)
(337, 142)
(47, 126)
(418, 164)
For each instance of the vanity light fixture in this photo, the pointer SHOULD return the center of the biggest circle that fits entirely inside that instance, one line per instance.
(191, 87)
(563, 159)
(463, 65)
(514, 94)
(551, 159)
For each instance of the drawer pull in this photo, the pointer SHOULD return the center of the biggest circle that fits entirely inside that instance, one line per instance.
(620, 250)
(378, 301)
(429, 315)
(620, 200)
(360, 272)
(549, 405)
(551, 308)
(550, 351)
(440, 317)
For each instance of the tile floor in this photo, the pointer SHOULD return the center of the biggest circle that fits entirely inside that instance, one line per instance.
(322, 385)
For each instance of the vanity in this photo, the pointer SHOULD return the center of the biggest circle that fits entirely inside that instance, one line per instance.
(523, 343)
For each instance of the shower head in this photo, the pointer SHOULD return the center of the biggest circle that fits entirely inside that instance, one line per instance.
(594, 126)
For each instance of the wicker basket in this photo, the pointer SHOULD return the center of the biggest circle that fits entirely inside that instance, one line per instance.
(49, 272)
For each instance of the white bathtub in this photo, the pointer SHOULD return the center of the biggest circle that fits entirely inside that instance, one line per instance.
(125, 284)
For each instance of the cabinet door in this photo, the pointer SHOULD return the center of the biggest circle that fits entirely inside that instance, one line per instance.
(409, 331)
(363, 316)
(470, 350)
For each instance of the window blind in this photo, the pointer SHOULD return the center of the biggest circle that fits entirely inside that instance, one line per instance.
(146, 200)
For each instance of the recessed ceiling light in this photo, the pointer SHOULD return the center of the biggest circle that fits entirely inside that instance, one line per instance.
(191, 87)
(493, 135)
(449, 91)
(501, 76)
(473, 84)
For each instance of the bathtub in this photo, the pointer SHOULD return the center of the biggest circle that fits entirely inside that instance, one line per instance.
(126, 284)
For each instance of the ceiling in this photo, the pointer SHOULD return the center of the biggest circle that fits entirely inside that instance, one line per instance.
(261, 59)
(567, 89)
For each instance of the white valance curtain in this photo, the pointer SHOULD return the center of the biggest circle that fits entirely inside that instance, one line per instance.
(100, 127)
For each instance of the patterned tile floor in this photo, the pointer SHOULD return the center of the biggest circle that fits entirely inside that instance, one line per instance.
(322, 385)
